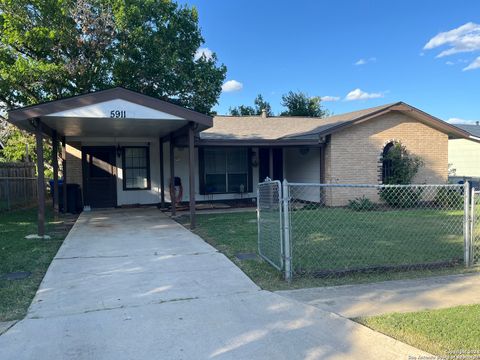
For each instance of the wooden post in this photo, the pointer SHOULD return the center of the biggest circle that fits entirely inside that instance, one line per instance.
(40, 179)
(162, 178)
(55, 170)
(191, 172)
(270, 164)
(172, 177)
(64, 171)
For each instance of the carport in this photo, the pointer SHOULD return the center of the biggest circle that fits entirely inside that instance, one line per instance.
(116, 112)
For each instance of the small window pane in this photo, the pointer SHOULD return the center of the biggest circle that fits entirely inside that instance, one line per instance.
(136, 168)
(237, 161)
(237, 183)
(215, 183)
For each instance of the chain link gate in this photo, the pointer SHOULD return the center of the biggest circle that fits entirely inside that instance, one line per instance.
(473, 245)
(269, 221)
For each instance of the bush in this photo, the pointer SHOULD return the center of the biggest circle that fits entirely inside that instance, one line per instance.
(361, 204)
(401, 197)
(449, 198)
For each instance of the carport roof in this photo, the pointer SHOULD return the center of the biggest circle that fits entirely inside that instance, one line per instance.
(88, 115)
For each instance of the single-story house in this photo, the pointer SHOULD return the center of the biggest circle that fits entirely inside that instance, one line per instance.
(123, 147)
(464, 155)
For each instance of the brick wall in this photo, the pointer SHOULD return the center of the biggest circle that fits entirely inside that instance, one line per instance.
(74, 163)
(353, 155)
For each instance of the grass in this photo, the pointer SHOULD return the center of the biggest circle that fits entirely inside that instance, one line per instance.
(334, 243)
(447, 332)
(338, 239)
(20, 254)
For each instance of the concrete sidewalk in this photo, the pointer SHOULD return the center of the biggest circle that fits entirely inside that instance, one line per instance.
(392, 296)
(133, 284)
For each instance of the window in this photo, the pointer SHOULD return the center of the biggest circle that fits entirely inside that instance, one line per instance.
(226, 170)
(136, 168)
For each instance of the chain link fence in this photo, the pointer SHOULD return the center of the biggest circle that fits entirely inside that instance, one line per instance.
(332, 230)
(475, 228)
(269, 219)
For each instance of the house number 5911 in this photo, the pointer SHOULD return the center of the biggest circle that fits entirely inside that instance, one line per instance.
(118, 114)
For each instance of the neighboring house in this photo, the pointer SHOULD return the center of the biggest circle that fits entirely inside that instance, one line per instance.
(115, 140)
(464, 155)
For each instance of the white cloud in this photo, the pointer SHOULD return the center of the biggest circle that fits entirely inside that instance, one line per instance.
(359, 94)
(449, 63)
(232, 85)
(461, 121)
(473, 65)
(330, 98)
(365, 61)
(464, 39)
(203, 52)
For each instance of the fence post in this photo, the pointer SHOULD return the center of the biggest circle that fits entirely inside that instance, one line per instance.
(286, 231)
(466, 223)
(258, 221)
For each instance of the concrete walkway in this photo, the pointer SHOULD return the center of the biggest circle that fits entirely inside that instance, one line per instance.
(392, 296)
(133, 284)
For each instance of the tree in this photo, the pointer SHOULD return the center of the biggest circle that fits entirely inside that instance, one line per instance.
(56, 48)
(51, 49)
(300, 104)
(242, 110)
(260, 104)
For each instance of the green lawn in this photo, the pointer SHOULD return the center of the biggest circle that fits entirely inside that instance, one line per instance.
(453, 331)
(20, 254)
(331, 243)
(340, 239)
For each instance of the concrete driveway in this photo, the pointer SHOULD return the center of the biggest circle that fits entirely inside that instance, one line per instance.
(133, 284)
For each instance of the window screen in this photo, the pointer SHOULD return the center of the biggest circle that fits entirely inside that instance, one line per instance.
(226, 170)
(136, 168)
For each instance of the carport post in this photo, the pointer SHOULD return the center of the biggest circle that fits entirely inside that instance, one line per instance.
(64, 173)
(191, 172)
(55, 170)
(172, 178)
(162, 179)
(40, 178)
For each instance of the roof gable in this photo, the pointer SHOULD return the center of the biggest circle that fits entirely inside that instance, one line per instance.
(115, 108)
(105, 101)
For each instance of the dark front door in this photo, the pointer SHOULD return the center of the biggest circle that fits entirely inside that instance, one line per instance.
(264, 164)
(99, 176)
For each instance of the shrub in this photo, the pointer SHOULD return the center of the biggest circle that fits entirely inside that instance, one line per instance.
(402, 166)
(448, 198)
(401, 197)
(361, 204)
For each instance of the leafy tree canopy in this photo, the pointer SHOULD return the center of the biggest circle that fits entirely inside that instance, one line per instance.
(56, 48)
(300, 104)
(259, 104)
(51, 49)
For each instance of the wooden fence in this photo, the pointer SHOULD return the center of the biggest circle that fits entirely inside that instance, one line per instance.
(18, 185)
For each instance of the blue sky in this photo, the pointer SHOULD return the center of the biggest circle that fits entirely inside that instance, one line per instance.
(332, 48)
